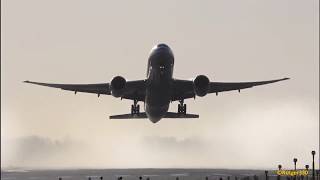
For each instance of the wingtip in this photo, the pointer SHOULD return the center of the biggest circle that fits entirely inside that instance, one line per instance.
(26, 81)
(286, 78)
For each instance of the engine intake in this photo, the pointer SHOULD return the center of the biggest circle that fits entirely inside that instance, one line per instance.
(201, 85)
(117, 86)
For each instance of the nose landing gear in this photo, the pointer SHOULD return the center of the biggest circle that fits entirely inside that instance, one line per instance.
(182, 108)
(135, 107)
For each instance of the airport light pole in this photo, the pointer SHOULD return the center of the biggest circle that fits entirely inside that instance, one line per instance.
(295, 163)
(279, 167)
(267, 177)
(307, 168)
(313, 173)
(295, 166)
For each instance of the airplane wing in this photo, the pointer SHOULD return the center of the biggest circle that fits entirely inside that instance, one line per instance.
(183, 89)
(134, 89)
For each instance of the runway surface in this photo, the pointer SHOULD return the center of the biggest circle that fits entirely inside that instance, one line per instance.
(131, 174)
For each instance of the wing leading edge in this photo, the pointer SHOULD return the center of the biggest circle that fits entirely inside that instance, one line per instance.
(133, 90)
(229, 86)
(102, 88)
(184, 89)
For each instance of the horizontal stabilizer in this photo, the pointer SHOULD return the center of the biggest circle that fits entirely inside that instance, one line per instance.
(180, 115)
(143, 115)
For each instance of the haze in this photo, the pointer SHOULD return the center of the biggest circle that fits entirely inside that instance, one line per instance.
(78, 41)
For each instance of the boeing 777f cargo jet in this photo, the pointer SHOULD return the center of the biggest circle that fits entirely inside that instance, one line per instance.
(158, 89)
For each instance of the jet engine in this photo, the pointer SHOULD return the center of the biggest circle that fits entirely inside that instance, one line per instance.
(201, 85)
(117, 86)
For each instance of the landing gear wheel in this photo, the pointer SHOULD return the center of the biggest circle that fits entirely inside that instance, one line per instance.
(135, 108)
(182, 108)
(138, 109)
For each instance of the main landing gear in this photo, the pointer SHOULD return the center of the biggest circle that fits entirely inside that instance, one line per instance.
(135, 107)
(182, 108)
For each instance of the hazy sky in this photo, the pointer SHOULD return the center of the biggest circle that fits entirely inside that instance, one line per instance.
(77, 41)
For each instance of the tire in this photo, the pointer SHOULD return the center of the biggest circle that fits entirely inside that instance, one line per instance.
(185, 109)
(132, 109)
(179, 108)
(138, 109)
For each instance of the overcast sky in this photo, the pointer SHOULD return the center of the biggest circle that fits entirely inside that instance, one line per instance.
(77, 41)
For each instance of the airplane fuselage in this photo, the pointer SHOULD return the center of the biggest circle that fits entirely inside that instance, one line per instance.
(159, 82)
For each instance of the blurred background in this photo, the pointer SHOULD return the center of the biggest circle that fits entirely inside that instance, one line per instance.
(78, 41)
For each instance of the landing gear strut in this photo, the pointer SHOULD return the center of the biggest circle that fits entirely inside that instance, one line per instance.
(182, 108)
(135, 107)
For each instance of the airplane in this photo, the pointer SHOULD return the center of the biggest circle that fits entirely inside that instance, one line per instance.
(159, 88)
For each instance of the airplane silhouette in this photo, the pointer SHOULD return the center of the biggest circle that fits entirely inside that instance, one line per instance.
(158, 89)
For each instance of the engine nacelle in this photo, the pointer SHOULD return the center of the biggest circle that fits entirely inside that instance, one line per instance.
(201, 85)
(117, 86)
